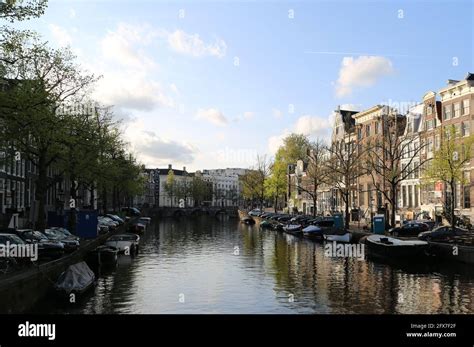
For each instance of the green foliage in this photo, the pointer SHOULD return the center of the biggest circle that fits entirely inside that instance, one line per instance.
(18, 10)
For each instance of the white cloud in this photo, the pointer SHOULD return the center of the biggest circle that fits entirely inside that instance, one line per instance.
(212, 115)
(124, 46)
(154, 150)
(314, 127)
(277, 113)
(60, 35)
(192, 44)
(72, 13)
(174, 88)
(248, 115)
(129, 73)
(363, 71)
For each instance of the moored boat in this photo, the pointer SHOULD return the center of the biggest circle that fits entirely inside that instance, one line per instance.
(293, 229)
(314, 232)
(77, 279)
(345, 237)
(265, 224)
(245, 218)
(463, 253)
(391, 247)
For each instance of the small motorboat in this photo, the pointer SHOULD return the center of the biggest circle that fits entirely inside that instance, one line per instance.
(144, 220)
(343, 237)
(77, 279)
(293, 229)
(104, 255)
(391, 247)
(313, 231)
(124, 243)
(266, 225)
(248, 220)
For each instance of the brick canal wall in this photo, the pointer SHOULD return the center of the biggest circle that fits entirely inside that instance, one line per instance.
(21, 290)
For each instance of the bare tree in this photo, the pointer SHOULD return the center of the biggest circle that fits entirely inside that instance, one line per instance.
(316, 173)
(384, 159)
(344, 166)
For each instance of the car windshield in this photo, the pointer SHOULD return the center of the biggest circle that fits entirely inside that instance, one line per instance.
(11, 238)
(35, 235)
(52, 233)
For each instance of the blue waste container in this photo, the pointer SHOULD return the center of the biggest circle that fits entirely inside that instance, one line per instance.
(338, 221)
(379, 224)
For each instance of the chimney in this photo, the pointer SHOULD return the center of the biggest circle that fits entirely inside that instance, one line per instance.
(452, 82)
(170, 166)
(184, 168)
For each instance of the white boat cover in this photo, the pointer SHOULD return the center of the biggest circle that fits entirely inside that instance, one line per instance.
(311, 229)
(394, 241)
(291, 227)
(338, 238)
(75, 278)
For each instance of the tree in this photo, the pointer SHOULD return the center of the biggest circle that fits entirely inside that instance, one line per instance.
(38, 83)
(316, 173)
(293, 149)
(449, 165)
(170, 186)
(384, 155)
(344, 166)
(13, 10)
(254, 181)
(200, 190)
(275, 185)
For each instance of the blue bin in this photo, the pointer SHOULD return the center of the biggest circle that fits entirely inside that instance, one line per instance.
(338, 221)
(379, 224)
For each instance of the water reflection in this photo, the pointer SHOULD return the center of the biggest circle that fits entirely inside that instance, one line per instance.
(206, 265)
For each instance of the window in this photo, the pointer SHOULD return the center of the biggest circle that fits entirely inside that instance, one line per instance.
(376, 128)
(410, 196)
(467, 197)
(367, 130)
(361, 195)
(437, 142)
(466, 128)
(359, 133)
(465, 106)
(447, 112)
(416, 170)
(430, 145)
(457, 128)
(404, 196)
(457, 109)
(429, 124)
(410, 126)
(416, 196)
(429, 110)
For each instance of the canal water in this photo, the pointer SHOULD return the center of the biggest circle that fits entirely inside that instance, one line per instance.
(205, 265)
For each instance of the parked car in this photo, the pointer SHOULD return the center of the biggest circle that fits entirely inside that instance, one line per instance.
(410, 229)
(255, 212)
(46, 247)
(116, 218)
(442, 233)
(71, 242)
(107, 221)
(102, 228)
(131, 211)
(7, 263)
(124, 243)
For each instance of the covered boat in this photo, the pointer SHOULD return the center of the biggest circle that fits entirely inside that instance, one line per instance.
(77, 278)
(293, 229)
(391, 247)
(266, 225)
(313, 231)
(342, 237)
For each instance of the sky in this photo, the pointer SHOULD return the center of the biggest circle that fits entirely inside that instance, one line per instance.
(213, 84)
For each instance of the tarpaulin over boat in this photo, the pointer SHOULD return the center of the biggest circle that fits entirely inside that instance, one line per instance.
(76, 278)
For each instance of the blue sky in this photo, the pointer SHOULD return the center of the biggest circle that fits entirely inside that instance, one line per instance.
(210, 84)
